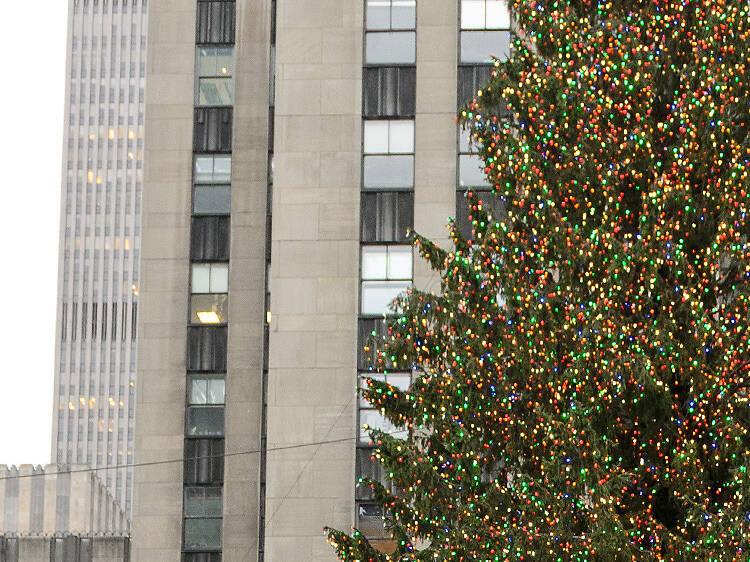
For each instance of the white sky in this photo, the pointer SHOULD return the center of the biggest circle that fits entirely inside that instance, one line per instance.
(32, 43)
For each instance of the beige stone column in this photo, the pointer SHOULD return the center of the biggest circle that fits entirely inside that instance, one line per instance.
(435, 128)
(157, 507)
(314, 289)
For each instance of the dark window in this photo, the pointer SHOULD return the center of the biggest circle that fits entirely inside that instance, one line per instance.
(204, 461)
(370, 329)
(10, 549)
(492, 205)
(215, 22)
(389, 91)
(471, 79)
(86, 553)
(207, 348)
(201, 557)
(212, 130)
(209, 238)
(386, 215)
(369, 467)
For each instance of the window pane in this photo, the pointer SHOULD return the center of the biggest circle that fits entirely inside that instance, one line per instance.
(478, 46)
(378, 295)
(205, 420)
(203, 502)
(376, 137)
(497, 15)
(224, 61)
(209, 308)
(215, 91)
(211, 199)
(471, 171)
(198, 390)
(388, 171)
(200, 278)
(472, 14)
(219, 278)
(374, 420)
(216, 388)
(374, 262)
(403, 14)
(401, 137)
(202, 534)
(400, 380)
(204, 169)
(390, 47)
(378, 14)
(386, 215)
(222, 169)
(399, 262)
(207, 61)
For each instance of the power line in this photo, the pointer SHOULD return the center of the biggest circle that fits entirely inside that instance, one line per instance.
(170, 461)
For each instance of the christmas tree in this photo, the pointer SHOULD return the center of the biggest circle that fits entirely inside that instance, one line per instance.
(583, 389)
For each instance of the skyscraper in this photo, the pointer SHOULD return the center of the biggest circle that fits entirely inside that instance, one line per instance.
(289, 148)
(100, 239)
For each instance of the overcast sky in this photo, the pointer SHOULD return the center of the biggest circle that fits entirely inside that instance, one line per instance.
(32, 36)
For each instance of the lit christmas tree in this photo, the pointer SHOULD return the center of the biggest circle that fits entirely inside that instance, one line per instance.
(583, 389)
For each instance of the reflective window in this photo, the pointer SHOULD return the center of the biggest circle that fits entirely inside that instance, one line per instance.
(211, 199)
(214, 76)
(206, 389)
(471, 171)
(391, 14)
(210, 278)
(390, 47)
(389, 137)
(388, 172)
(386, 272)
(203, 511)
(213, 168)
(481, 46)
(484, 14)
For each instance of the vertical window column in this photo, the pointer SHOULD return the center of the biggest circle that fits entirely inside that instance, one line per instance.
(387, 212)
(208, 320)
(484, 33)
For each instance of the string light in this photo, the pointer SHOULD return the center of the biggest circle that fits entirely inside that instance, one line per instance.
(599, 408)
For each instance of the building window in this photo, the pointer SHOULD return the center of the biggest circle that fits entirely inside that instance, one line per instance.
(213, 168)
(215, 22)
(214, 76)
(212, 129)
(386, 215)
(470, 80)
(209, 288)
(389, 137)
(389, 91)
(386, 272)
(204, 461)
(205, 412)
(390, 47)
(201, 557)
(485, 28)
(207, 348)
(203, 507)
(211, 199)
(391, 14)
(209, 238)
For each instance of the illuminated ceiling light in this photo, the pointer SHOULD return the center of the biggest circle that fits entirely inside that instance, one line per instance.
(208, 317)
